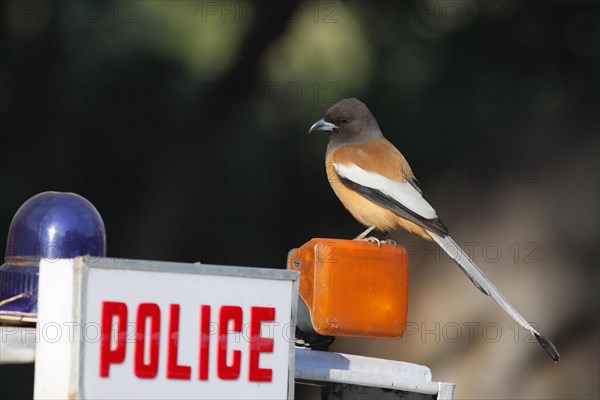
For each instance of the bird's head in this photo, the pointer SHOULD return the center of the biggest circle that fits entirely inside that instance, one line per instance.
(349, 119)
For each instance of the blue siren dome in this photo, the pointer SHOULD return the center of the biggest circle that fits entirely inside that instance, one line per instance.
(48, 226)
(53, 225)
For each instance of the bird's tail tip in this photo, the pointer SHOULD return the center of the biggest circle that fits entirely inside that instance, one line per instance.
(548, 346)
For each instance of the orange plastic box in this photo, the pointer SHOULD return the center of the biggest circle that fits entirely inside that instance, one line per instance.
(353, 288)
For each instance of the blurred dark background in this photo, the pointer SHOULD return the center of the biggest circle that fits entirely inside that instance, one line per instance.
(185, 123)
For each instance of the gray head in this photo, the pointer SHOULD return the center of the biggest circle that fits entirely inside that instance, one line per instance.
(348, 121)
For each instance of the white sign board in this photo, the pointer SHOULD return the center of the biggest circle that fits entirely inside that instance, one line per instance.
(144, 329)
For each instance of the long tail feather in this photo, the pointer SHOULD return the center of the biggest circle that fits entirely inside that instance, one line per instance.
(487, 287)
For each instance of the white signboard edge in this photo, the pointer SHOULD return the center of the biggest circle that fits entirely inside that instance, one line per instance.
(68, 304)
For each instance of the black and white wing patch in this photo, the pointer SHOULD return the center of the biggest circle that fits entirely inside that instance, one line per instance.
(403, 198)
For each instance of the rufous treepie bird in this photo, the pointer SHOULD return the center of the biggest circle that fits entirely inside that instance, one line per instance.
(375, 183)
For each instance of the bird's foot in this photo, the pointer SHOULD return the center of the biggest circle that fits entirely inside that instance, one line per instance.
(390, 241)
(371, 239)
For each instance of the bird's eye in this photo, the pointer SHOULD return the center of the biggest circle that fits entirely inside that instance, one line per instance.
(343, 121)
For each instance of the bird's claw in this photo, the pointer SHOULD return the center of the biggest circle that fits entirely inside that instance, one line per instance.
(371, 239)
(379, 242)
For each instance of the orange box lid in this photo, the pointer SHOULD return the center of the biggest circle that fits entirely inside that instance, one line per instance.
(353, 288)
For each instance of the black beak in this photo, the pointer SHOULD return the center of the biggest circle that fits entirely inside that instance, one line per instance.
(322, 125)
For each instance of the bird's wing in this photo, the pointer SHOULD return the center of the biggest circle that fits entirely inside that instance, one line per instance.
(400, 197)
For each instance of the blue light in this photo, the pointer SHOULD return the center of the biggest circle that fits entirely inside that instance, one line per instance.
(48, 226)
